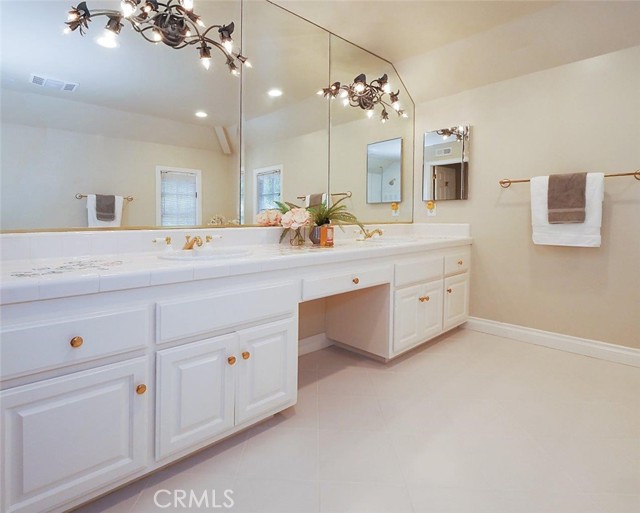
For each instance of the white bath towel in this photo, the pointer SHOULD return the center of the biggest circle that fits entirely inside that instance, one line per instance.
(585, 234)
(93, 221)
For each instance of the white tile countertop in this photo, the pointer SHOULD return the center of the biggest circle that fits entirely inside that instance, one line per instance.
(31, 279)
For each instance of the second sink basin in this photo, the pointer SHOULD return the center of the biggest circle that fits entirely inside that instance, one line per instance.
(205, 254)
(389, 240)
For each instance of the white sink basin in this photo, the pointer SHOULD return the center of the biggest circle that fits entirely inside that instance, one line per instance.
(205, 254)
(389, 240)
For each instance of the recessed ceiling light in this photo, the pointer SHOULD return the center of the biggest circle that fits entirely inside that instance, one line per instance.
(274, 93)
(201, 114)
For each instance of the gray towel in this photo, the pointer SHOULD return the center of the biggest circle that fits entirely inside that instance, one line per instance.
(315, 199)
(105, 207)
(566, 198)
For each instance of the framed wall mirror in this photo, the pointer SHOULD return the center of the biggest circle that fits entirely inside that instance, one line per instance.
(445, 173)
(384, 171)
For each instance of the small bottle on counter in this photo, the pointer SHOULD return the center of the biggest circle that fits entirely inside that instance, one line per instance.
(326, 236)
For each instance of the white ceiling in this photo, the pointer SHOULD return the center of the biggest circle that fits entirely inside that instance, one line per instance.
(445, 47)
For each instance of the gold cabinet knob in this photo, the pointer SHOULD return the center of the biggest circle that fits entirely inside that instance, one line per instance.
(246, 355)
(76, 342)
(231, 360)
(449, 291)
(460, 262)
(424, 298)
(141, 389)
(356, 280)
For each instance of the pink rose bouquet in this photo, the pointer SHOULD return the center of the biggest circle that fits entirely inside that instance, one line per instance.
(269, 218)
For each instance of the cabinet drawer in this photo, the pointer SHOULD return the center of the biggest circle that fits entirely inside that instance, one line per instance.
(184, 318)
(418, 270)
(457, 262)
(51, 345)
(328, 285)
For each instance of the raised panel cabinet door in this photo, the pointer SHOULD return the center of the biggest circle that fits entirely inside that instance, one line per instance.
(456, 300)
(195, 398)
(408, 318)
(67, 436)
(431, 304)
(267, 368)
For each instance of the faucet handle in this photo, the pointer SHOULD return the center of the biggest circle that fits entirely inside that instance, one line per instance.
(209, 238)
(166, 240)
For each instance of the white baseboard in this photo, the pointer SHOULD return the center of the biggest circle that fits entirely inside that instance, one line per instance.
(583, 346)
(313, 343)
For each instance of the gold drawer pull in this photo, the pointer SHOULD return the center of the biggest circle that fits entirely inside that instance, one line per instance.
(76, 342)
(424, 298)
(141, 389)
(460, 262)
(231, 360)
(246, 355)
(449, 291)
(356, 280)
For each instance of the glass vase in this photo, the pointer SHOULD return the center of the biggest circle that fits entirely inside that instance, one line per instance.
(296, 237)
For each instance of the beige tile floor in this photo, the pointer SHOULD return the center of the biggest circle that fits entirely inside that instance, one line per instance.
(471, 423)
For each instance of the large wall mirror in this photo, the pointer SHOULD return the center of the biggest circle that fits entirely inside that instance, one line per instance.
(130, 125)
(352, 133)
(131, 116)
(285, 124)
(445, 172)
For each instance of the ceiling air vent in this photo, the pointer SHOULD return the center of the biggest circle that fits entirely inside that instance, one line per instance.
(52, 83)
(443, 152)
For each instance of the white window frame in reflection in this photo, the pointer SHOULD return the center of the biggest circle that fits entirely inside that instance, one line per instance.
(263, 171)
(197, 174)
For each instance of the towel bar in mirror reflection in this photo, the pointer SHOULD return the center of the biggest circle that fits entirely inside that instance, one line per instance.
(445, 172)
(80, 196)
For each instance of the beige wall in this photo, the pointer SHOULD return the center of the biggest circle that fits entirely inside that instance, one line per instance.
(583, 116)
(43, 168)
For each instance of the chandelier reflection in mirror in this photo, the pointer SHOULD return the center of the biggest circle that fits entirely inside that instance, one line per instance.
(173, 23)
(459, 132)
(367, 96)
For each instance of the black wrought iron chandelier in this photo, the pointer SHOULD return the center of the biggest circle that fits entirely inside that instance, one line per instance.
(367, 96)
(459, 132)
(173, 23)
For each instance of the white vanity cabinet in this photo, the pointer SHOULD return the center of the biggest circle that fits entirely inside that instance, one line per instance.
(417, 314)
(66, 436)
(418, 302)
(206, 388)
(456, 288)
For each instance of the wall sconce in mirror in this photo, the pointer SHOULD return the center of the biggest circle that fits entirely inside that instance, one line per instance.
(366, 95)
(384, 171)
(173, 23)
(445, 173)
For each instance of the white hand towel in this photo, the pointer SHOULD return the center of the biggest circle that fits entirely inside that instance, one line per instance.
(585, 234)
(92, 219)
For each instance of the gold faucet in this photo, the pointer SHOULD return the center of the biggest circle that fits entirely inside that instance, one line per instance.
(192, 242)
(368, 234)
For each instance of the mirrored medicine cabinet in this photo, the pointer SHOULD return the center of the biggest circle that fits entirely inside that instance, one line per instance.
(445, 172)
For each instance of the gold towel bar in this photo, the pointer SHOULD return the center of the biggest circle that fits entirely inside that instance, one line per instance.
(348, 194)
(80, 196)
(505, 182)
